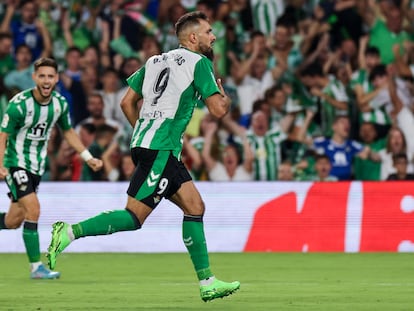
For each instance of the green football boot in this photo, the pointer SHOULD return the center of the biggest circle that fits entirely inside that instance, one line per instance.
(218, 289)
(60, 240)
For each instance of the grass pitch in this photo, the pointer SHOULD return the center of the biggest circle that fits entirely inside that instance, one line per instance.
(269, 281)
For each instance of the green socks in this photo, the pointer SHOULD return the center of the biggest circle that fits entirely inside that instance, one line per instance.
(195, 241)
(31, 241)
(106, 223)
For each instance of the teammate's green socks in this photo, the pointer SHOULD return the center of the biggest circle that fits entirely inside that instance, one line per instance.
(31, 241)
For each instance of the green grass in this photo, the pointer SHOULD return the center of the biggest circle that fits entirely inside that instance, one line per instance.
(269, 281)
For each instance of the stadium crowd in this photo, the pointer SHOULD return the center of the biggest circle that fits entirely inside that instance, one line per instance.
(321, 90)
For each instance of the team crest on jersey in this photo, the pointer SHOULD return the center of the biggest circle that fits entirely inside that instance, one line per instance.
(5, 121)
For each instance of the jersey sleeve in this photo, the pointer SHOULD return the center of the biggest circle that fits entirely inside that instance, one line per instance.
(12, 118)
(204, 80)
(136, 80)
(64, 121)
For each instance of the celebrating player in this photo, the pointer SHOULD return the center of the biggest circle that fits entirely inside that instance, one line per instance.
(169, 85)
(25, 132)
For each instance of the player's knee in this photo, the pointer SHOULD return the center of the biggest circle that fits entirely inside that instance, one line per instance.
(198, 208)
(13, 223)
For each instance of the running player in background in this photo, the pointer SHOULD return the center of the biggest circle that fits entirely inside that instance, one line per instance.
(24, 135)
(169, 85)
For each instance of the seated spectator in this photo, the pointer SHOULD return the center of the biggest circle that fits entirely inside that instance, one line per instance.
(400, 163)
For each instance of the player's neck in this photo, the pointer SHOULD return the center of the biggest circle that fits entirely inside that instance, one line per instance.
(39, 98)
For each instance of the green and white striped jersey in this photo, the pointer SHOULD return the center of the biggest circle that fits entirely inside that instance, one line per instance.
(378, 113)
(28, 125)
(170, 85)
(336, 90)
(266, 13)
(267, 153)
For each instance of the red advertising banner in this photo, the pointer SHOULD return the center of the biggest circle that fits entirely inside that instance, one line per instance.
(350, 217)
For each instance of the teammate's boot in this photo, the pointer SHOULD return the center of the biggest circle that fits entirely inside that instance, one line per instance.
(60, 240)
(43, 273)
(218, 289)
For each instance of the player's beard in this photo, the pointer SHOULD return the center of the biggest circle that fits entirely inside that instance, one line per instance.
(42, 95)
(207, 51)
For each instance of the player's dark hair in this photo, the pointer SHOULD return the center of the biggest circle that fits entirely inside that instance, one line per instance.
(45, 62)
(189, 19)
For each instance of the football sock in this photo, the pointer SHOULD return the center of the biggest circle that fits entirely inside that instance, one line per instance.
(195, 241)
(31, 241)
(34, 266)
(2, 221)
(107, 223)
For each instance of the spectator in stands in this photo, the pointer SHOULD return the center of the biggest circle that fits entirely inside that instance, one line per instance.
(6, 59)
(400, 163)
(87, 135)
(73, 68)
(111, 93)
(79, 92)
(104, 137)
(396, 143)
(339, 148)
(266, 143)
(219, 30)
(323, 167)
(285, 171)
(21, 77)
(95, 106)
(331, 93)
(111, 158)
(252, 78)
(385, 34)
(28, 29)
(231, 165)
(127, 166)
(367, 169)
